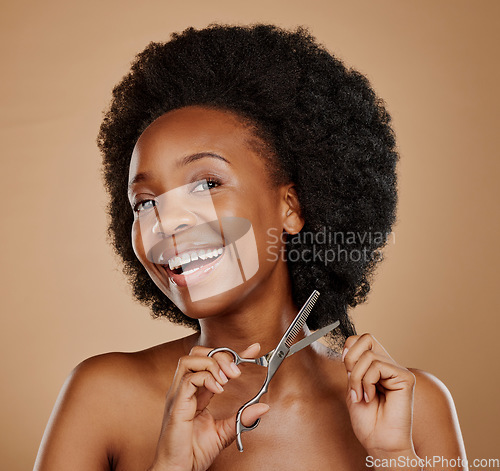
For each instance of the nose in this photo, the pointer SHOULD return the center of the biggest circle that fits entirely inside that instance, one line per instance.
(172, 219)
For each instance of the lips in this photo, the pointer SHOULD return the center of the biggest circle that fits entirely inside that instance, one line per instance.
(194, 271)
(189, 256)
(209, 235)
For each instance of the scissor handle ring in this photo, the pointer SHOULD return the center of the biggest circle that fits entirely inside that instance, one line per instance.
(237, 358)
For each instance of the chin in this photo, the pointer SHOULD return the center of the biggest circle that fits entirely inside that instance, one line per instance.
(222, 303)
(218, 286)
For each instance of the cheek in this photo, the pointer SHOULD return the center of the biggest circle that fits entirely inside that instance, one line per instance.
(268, 237)
(137, 244)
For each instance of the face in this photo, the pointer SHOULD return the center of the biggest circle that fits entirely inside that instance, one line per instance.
(204, 207)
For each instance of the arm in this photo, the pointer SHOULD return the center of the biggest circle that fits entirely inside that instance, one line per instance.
(436, 430)
(77, 436)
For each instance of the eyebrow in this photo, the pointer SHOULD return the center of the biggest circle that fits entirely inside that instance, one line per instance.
(144, 176)
(200, 155)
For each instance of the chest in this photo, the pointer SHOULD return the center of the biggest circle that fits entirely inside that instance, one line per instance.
(294, 435)
(297, 439)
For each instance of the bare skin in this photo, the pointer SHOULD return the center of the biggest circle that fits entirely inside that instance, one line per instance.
(163, 408)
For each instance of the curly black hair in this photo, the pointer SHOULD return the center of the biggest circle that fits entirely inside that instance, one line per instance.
(328, 132)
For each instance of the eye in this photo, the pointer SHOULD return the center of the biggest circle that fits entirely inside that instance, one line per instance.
(207, 184)
(144, 205)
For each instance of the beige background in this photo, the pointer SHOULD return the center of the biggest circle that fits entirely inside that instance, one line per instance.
(435, 302)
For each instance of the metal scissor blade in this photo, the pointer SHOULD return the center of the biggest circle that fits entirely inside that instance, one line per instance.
(274, 359)
(311, 338)
(300, 319)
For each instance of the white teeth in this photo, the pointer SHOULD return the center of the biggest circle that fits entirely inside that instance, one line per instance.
(186, 257)
(176, 262)
(173, 262)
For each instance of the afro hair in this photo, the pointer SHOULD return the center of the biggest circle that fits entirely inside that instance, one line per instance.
(328, 132)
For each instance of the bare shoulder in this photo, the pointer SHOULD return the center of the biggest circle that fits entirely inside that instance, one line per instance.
(151, 368)
(430, 391)
(436, 429)
(87, 421)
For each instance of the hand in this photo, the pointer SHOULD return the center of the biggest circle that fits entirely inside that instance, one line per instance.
(191, 438)
(379, 398)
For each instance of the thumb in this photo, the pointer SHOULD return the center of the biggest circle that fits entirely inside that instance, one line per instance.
(227, 427)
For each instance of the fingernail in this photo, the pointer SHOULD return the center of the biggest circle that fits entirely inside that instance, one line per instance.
(253, 345)
(344, 353)
(219, 387)
(354, 397)
(223, 377)
(348, 375)
(234, 368)
(366, 398)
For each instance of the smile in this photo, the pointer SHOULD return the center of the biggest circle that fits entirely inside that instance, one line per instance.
(193, 266)
(185, 261)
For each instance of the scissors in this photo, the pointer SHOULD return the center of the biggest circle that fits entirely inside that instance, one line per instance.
(274, 358)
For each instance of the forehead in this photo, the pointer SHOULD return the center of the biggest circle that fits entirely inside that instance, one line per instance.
(189, 130)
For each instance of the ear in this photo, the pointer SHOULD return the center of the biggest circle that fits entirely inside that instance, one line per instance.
(290, 207)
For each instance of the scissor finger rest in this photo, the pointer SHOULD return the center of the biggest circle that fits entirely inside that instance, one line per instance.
(240, 428)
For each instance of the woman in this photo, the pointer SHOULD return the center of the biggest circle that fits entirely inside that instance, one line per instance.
(252, 134)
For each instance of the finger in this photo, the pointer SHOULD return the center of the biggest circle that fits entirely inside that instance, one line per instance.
(348, 344)
(200, 351)
(227, 428)
(191, 382)
(225, 360)
(251, 352)
(252, 413)
(356, 346)
(358, 372)
(391, 377)
(193, 364)
(184, 406)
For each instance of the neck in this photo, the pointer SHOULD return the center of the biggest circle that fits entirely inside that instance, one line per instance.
(263, 319)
